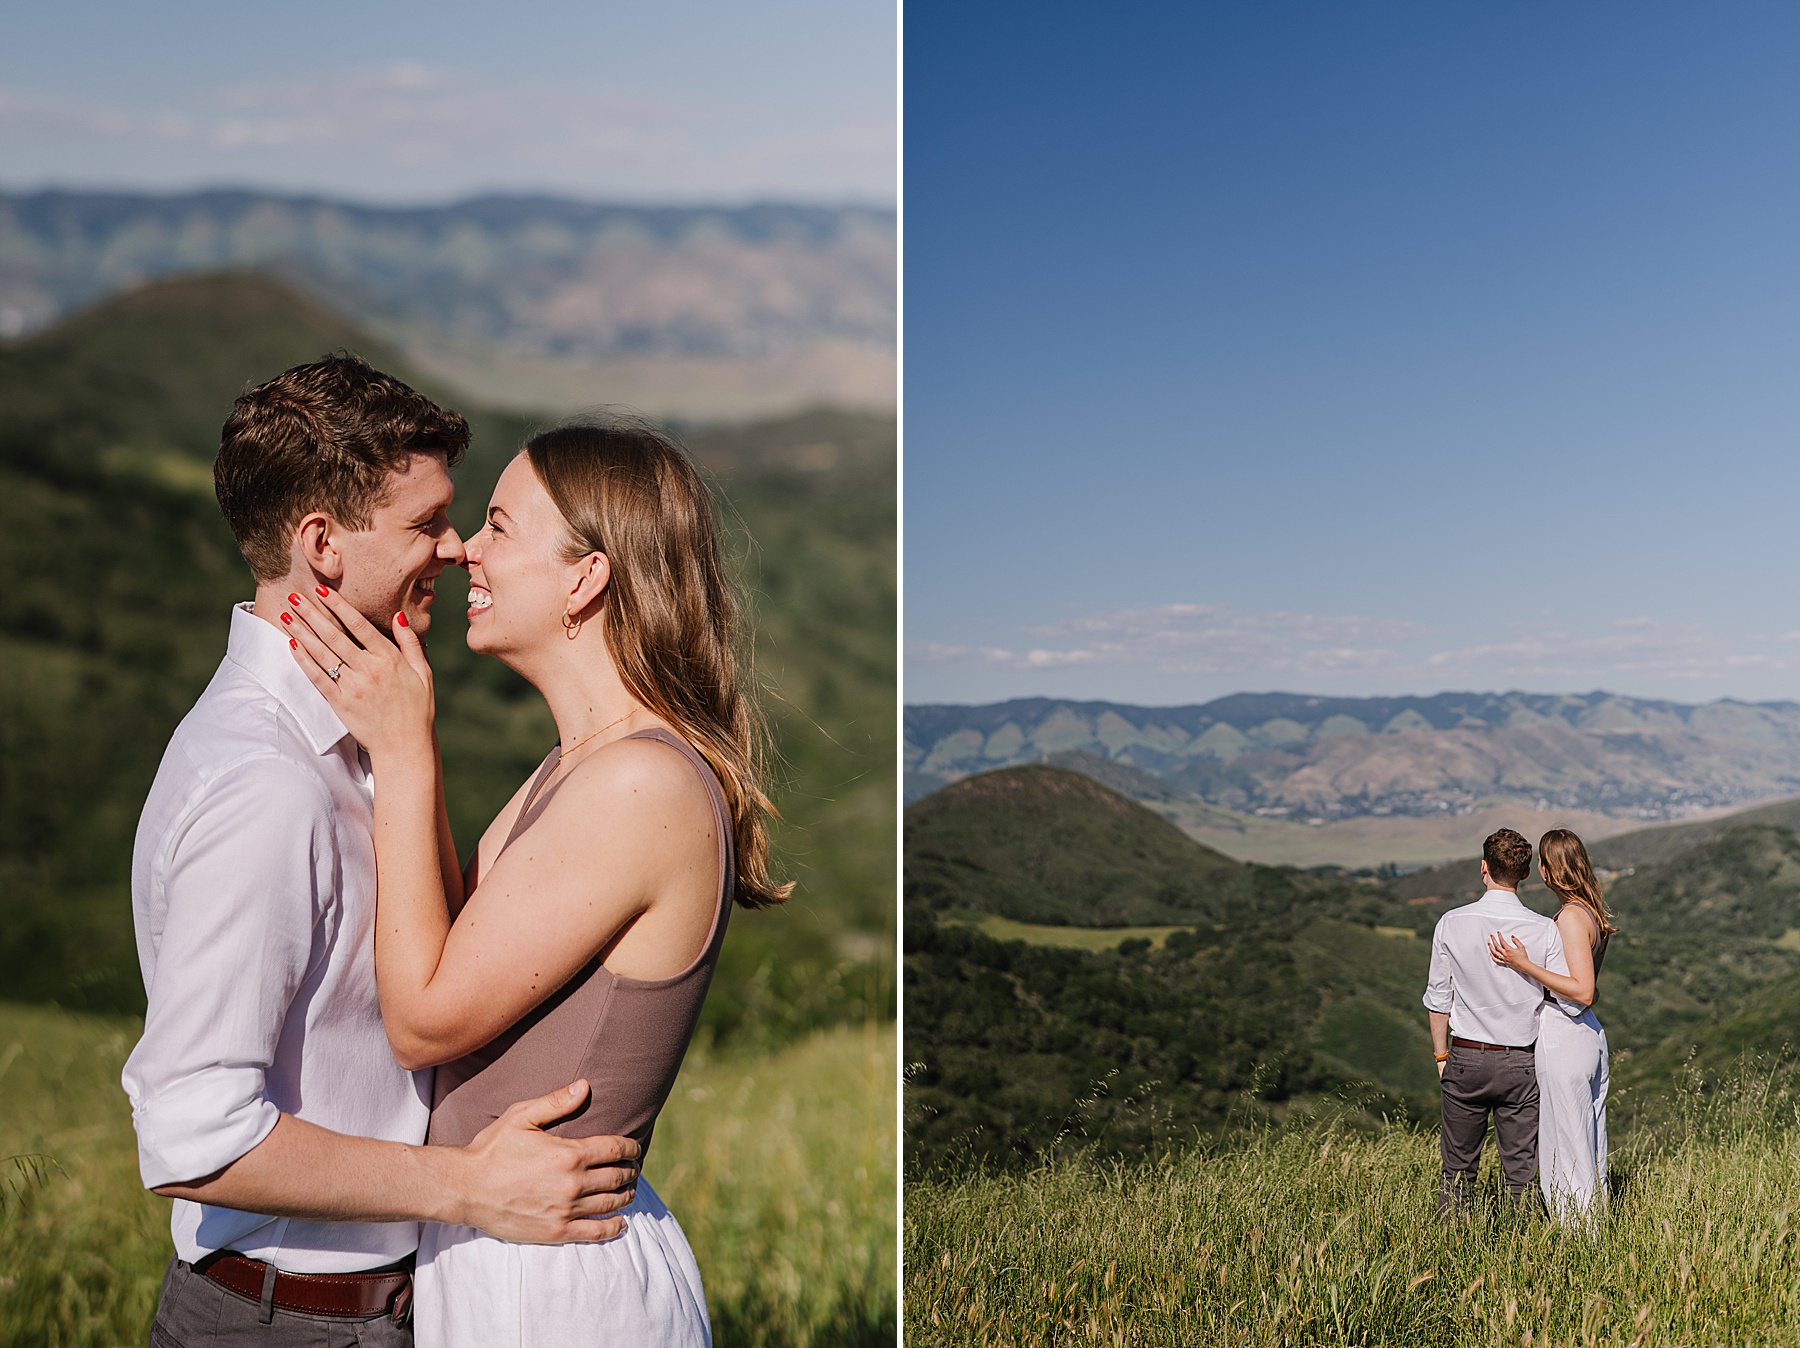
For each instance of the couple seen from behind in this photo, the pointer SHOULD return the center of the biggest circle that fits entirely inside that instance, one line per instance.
(1513, 1030)
(312, 948)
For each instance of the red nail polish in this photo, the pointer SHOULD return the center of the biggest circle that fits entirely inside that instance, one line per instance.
(293, 599)
(401, 619)
(323, 592)
(288, 618)
(294, 644)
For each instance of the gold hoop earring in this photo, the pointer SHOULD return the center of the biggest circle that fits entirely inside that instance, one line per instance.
(571, 625)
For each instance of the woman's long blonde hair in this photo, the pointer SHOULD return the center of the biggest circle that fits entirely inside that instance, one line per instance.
(671, 617)
(1570, 876)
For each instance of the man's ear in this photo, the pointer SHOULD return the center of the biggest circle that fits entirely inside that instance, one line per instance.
(316, 547)
(596, 571)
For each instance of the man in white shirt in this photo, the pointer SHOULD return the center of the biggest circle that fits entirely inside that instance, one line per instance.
(1484, 1025)
(266, 1099)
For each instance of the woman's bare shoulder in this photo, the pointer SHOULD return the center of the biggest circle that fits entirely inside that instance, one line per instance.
(638, 782)
(638, 764)
(1574, 917)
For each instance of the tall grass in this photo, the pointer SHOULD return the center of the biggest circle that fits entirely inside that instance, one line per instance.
(781, 1169)
(1321, 1235)
(82, 1245)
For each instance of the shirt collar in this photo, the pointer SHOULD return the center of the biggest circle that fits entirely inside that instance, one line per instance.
(1506, 898)
(263, 653)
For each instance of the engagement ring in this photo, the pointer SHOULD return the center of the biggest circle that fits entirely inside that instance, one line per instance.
(334, 671)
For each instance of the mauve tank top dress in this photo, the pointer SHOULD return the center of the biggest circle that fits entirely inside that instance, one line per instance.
(626, 1036)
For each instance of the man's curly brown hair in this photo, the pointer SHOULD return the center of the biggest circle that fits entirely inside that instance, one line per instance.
(1508, 857)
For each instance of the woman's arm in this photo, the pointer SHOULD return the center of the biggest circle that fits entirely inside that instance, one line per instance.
(563, 893)
(1577, 941)
(382, 691)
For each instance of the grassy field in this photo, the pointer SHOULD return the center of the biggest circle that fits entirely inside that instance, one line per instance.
(1109, 938)
(1322, 1236)
(1073, 938)
(1375, 840)
(781, 1169)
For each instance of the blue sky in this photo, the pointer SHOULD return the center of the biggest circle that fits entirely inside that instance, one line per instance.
(679, 100)
(1352, 348)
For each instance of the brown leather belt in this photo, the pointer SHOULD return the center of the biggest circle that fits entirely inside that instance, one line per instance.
(351, 1296)
(1457, 1041)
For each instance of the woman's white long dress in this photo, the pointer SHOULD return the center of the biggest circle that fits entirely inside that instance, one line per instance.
(1572, 1081)
(639, 1291)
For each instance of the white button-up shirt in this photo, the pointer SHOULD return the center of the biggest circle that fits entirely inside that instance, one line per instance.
(1489, 1001)
(253, 894)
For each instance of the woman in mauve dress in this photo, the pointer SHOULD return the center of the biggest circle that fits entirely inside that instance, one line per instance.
(580, 941)
(1572, 1069)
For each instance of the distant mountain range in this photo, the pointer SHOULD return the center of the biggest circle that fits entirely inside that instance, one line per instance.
(531, 300)
(1321, 759)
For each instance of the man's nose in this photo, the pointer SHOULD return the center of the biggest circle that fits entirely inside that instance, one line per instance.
(451, 547)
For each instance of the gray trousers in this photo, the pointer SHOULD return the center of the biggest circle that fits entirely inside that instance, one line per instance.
(195, 1312)
(1478, 1082)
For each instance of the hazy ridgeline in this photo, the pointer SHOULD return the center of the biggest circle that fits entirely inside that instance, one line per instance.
(115, 615)
(521, 302)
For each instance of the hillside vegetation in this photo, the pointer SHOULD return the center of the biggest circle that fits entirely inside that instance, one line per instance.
(122, 574)
(1289, 995)
(1269, 1000)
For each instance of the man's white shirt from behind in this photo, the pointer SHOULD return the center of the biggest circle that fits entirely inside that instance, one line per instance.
(253, 894)
(1486, 1001)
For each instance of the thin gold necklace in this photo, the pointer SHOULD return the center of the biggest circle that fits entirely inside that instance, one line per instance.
(569, 749)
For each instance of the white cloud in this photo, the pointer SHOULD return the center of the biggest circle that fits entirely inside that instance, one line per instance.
(1225, 648)
(1626, 648)
(407, 128)
(1216, 639)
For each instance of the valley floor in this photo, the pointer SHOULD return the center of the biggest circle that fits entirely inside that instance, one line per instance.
(780, 1167)
(1320, 1236)
(1400, 840)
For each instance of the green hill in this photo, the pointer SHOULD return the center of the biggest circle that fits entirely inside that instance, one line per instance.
(1743, 883)
(1281, 989)
(122, 573)
(1042, 844)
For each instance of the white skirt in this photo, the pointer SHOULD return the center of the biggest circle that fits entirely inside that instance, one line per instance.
(473, 1291)
(1572, 1083)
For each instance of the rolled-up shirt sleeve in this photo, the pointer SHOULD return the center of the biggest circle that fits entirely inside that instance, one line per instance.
(1437, 982)
(248, 879)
